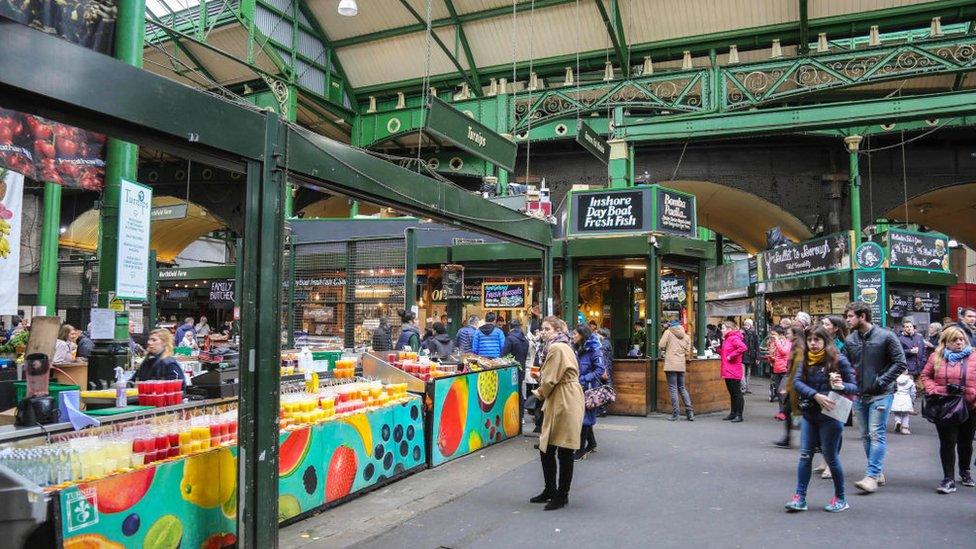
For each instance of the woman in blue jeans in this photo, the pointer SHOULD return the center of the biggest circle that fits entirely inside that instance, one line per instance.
(817, 370)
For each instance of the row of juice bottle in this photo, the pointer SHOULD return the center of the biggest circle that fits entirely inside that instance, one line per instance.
(338, 400)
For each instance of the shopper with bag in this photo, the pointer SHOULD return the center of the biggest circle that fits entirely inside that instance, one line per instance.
(592, 366)
(819, 369)
(562, 403)
(675, 346)
(731, 353)
(949, 378)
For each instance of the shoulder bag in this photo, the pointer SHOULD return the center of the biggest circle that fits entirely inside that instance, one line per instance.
(599, 396)
(948, 409)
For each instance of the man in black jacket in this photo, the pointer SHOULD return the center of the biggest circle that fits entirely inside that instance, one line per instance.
(967, 323)
(751, 355)
(515, 343)
(878, 359)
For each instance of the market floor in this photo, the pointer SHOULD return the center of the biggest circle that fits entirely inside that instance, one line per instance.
(654, 483)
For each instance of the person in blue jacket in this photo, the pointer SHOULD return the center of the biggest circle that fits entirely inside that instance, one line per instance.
(489, 339)
(159, 362)
(592, 366)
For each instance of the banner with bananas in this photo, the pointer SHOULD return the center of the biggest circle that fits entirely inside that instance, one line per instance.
(11, 207)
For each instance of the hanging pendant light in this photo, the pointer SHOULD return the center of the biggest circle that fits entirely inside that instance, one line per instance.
(686, 63)
(433, 91)
(777, 50)
(348, 8)
(822, 46)
(874, 38)
(648, 66)
(608, 72)
(733, 54)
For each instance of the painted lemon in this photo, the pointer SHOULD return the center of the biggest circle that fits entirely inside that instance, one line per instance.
(229, 507)
(487, 389)
(165, 533)
(288, 507)
(210, 478)
(510, 416)
(474, 441)
(91, 541)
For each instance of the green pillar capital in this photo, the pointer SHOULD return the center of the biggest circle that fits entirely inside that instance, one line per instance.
(620, 168)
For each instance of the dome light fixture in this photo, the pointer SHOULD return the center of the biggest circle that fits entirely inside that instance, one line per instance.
(348, 8)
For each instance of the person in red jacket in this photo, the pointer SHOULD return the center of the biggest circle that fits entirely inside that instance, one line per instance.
(779, 357)
(733, 347)
(951, 370)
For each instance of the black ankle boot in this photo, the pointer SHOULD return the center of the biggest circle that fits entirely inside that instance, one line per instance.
(541, 498)
(557, 502)
(729, 417)
(736, 419)
(690, 415)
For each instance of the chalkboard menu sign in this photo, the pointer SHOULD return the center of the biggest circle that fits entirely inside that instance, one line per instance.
(608, 212)
(673, 293)
(676, 213)
(922, 251)
(869, 287)
(453, 281)
(222, 290)
(503, 295)
(820, 255)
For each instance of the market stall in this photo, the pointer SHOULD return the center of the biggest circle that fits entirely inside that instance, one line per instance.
(194, 292)
(466, 411)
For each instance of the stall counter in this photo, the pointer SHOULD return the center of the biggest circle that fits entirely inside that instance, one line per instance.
(633, 381)
(704, 383)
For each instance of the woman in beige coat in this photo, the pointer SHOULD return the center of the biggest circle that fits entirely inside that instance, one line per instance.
(562, 407)
(675, 346)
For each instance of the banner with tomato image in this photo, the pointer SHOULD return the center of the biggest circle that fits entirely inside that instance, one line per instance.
(11, 207)
(472, 411)
(41, 149)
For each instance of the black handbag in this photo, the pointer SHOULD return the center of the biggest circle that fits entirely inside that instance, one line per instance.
(947, 409)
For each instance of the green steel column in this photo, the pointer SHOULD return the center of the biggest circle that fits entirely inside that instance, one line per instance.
(631, 180)
(410, 270)
(150, 322)
(47, 283)
(701, 316)
(257, 463)
(652, 330)
(290, 327)
(121, 158)
(853, 143)
(354, 209)
(502, 182)
(546, 297)
(570, 291)
(719, 249)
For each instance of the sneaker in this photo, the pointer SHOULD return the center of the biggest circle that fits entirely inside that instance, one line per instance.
(729, 417)
(967, 479)
(905, 431)
(557, 502)
(868, 485)
(674, 416)
(780, 416)
(541, 498)
(948, 486)
(897, 426)
(690, 415)
(837, 505)
(820, 468)
(785, 443)
(881, 479)
(827, 474)
(797, 504)
(736, 419)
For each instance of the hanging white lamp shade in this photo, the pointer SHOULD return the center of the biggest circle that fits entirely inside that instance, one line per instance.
(433, 91)
(686, 63)
(608, 72)
(777, 50)
(348, 8)
(568, 80)
(935, 29)
(648, 68)
(874, 38)
(822, 46)
(733, 54)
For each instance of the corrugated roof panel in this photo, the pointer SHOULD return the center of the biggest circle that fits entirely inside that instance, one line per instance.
(549, 32)
(374, 15)
(273, 25)
(282, 5)
(826, 8)
(398, 58)
(664, 19)
(468, 6)
(310, 77)
(311, 47)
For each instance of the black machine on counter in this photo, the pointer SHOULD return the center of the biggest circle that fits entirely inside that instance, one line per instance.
(215, 382)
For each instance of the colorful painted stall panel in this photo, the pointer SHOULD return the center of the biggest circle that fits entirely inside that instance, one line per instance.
(472, 411)
(189, 502)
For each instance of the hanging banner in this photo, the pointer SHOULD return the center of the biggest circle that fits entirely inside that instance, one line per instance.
(675, 213)
(452, 125)
(609, 212)
(503, 295)
(592, 141)
(132, 265)
(820, 255)
(42, 149)
(165, 213)
(919, 251)
(869, 287)
(727, 281)
(11, 208)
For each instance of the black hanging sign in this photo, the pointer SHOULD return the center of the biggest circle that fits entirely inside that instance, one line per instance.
(503, 295)
(922, 251)
(675, 213)
(453, 281)
(609, 212)
(222, 290)
(592, 141)
(820, 255)
(869, 287)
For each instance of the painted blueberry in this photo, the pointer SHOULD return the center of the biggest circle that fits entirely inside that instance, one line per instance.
(131, 524)
(414, 412)
(386, 432)
(416, 453)
(379, 451)
(311, 479)
(388, 460)
(410, 432)
(398, 433)
(404, 448)
(368, 472)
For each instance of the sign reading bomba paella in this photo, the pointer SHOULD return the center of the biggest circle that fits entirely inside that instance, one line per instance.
(503, 295)
(820, 255)
(607, 212)
(911, 250)
(676, 213)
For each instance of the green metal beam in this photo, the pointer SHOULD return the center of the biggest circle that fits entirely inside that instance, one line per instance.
(798, 119)
(615, 31)
(186, 51)
(47, 279)
(841, 26)
(464, 42)
(475, 86)
(804, 42)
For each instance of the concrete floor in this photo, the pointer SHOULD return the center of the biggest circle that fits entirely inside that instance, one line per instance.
(654, 483)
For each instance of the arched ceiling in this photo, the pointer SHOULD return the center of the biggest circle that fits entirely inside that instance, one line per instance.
(335, 207)
(168, 237)
(950, 210)
(740, 216)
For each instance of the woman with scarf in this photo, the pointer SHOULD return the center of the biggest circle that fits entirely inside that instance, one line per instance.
(562, 406)
(951, 370)
(817, 370)
(592, 366)
(159, 362)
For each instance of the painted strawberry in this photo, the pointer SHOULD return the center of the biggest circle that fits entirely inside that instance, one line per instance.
(340, 474)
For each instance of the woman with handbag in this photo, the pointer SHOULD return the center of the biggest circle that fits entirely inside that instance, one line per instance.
(562, 406)
(592, 366)
(949, 378)
(675, 345)
(818, 370)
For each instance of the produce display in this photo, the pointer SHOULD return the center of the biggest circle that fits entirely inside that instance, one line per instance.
(298, 409)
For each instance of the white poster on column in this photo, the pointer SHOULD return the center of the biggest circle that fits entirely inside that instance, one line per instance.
(11, 208)
(132, 265)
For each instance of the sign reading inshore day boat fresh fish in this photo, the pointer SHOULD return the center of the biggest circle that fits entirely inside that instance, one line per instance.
(608, 212)
(819, 255)
(503, 295)
(912, 250)
(452, 125)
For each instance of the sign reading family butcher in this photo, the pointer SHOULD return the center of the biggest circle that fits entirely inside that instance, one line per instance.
(820, 255)
(922, 251)
(609, 212)
(503, 295)
(675, 213)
